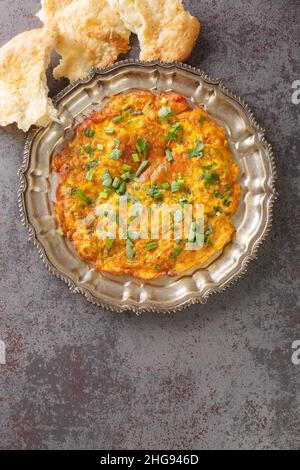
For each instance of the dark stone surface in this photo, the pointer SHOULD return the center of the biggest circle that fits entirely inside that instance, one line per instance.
(213, 376)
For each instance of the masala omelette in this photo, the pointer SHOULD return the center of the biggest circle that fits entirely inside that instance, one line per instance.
(154, 149)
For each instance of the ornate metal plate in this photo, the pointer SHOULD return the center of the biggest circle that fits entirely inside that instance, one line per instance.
(252, 221)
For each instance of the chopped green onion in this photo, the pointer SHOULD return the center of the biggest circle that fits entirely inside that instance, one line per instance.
(164, 112)
(126, 176)
(122, 188)
(126, 167)
(92, 164)
(107, 179)
(82, 196)
(142, 146)
(100, 146)
(151, 246)
(177, 252)
(88, 149)
(175, 186)
(130, 252)
(109, 242)
(141, 168)
(192, 234)
(164, 100)
(210, 179)
(89, 132)
(109, 131)
(166, 185)
(197, 151)
(116, 183)
(116, 154)
(137, 112)
(226, 202)
(169, 155)
(118, 118)
(103, 195)
(202, 119)
(135, 157)
(173, 133)
(156, 192)
(89, 174)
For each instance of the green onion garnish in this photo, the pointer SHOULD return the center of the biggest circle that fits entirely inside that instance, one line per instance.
(116, 183)
(118, 118)
(86, 199)
(88, 149)
(126, 167)
(89, 132)
(107, 179)
(169, 155)
(109, 242)
(103, 195)
(89, 174)
(166, 185)
(122, 188)
(116, 154)
(177, 252)
(151, 246)
(197, 151)
(142, 146)
(202, 119)
(100, 147)
(130, 252)
(135, 157)
(164, 113)
(109, 131)
(141, 168)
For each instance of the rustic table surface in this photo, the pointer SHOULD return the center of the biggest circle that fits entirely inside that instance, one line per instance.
(213, 376)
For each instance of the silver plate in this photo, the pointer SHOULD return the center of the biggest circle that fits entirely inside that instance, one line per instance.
(252, 221)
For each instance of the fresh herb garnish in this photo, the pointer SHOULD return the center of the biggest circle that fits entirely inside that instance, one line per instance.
(197, 151)
(130, 252)
(141, 168)
(169, 155)
(116, 183)
(210, 179)
(118, 118)
(173, 133)
(142, 146)
(202, 119)
(126, 167)
(91, 164)
(89, 174)
(109, 131)
(135, 157)
(89, 132)
(151, 246)
(177, 251)
(122, 188)
(77, 192)
(226, 202)
(156, 192)
(164, 113)
(88, 149)
(116, 153)
(100, 147)
(166, 185)
(107, 179)
(103, 195)
(109, 242)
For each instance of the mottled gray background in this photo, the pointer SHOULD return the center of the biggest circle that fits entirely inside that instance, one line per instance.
(213, 376)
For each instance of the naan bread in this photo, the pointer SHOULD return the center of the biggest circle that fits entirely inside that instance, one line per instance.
(165, 30)
(23, 84)
(90, 35)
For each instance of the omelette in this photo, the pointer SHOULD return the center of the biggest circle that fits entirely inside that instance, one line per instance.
(154, 150)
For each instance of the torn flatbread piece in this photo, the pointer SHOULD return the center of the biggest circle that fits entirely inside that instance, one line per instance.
(90, 35)
(23, 84)
(165, 30)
